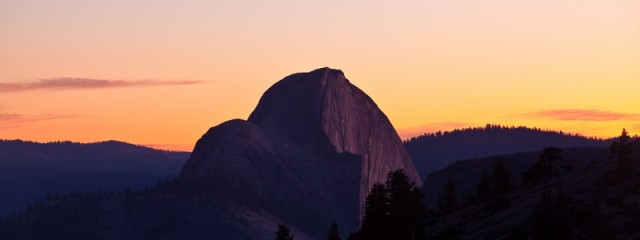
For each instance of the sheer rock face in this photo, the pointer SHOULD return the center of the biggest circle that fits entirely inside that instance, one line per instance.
(308, 154)
(322, 112)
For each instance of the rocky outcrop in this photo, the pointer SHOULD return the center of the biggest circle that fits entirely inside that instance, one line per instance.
(308, 154)
(231, 148)
(322, 112)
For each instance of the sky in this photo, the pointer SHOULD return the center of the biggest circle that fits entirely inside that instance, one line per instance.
(160, 73)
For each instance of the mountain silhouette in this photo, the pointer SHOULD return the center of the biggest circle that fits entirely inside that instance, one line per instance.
(434, 151)
(315, 143)
(29, 170)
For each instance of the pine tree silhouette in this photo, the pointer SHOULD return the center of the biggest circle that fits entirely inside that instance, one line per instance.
(501, 178)
(543, 168)
(449, 197)
(624, 146)
(283, 233)
(394, 210)
(376, 213)
(334, 233)
(485, 190)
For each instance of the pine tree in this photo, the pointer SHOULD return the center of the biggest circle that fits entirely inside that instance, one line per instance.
(501, 178)
(283, 233)
(549, 156)
(613, 150)
(485, 191)
(406, 207)
(394, 210)
(543, 168)
(621, 151)
(560, 217)
(334, 233)
(449, 197)
(551, 218)
(624, 146)
(376, 213)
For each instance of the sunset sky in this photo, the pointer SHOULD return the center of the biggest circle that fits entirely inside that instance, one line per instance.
(161, 72)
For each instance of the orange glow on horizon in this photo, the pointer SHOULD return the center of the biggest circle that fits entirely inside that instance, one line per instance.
(162, 73)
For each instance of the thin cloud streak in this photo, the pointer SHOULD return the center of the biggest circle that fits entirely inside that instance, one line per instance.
(582, 115)
(9, 120)
(86, 83)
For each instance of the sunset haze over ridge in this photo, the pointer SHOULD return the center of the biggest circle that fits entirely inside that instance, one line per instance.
(160, 73)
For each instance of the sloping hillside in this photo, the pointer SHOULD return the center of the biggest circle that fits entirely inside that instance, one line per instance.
(29, 170)
(593, 194)
(432, 152)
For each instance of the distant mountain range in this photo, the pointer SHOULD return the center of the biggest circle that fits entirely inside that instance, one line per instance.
(434, 151)
(307, 156)
(29, 170)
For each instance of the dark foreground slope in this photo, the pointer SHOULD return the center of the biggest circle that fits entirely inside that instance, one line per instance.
(595, 198)
(467, 173)
(432, 152)
(167, 211)
(29, 170)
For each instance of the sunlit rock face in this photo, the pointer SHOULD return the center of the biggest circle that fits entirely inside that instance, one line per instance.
(321, 111)
(308, 154)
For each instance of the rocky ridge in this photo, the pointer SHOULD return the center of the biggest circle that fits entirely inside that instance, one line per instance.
(315, 143)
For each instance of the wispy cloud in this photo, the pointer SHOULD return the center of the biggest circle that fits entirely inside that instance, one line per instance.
(406, 133)
(582, 115)
(9, 120)
(85, 83)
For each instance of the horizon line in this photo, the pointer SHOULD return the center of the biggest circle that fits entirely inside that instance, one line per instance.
(485, 126)
(187, 148)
